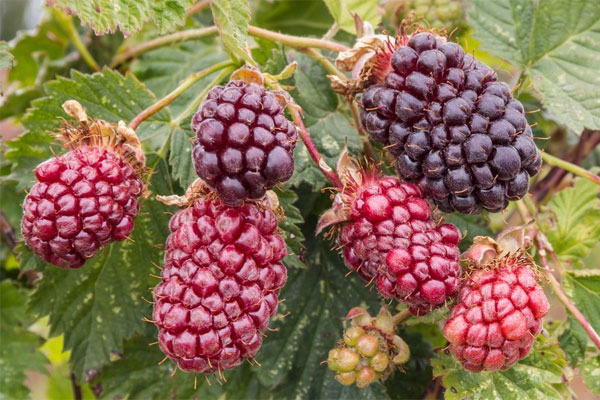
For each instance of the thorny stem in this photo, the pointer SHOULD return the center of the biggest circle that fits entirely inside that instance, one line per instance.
(553, 282)
(575, 169)
(183, 86)
(401, 316)
(296, 41)
(295, 112)
(558, 290)
(67, 23)
(189, 34)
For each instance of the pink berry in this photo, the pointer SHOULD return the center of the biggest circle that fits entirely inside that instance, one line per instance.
(496, 318)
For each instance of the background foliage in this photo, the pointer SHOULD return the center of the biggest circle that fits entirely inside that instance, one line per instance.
(84, 329)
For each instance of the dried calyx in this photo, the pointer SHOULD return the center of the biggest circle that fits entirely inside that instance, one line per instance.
(370, 350)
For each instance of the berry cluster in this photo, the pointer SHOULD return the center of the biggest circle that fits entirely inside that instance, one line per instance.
(244, 144)
(84, 200)
(497, 317)
(370, 349)
(391, 239)
(220, 284)
(452, 126)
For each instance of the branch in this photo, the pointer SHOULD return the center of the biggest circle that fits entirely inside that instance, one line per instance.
(329, 173)
(191, 34)
(558, 290)
(183, 86)
(574, 169)
(196, 8)
(162, 41)
(296, 41)
(66, 22)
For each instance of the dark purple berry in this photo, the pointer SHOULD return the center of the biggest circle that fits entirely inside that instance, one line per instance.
(244, 144)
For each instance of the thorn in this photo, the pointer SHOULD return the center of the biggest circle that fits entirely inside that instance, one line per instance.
(153, 343)
(147, 301)
(256, 361)
(209, 364)
(272, 329)
(163, 360)
(174, 372)
(205, 377)
(155, 276)
(533, 111)
(156, 265)
(196, 381)
(148, 320)
(129, 239)
(283, 315)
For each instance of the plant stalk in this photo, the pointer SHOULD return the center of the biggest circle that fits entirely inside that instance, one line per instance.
(189, 34)
(67, 23)
(296, 41)
(567, 166)
(183, 86)
(196, 8)
(329, 173)
(562, 296)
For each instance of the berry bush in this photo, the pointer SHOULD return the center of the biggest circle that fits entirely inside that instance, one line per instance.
(325, 199)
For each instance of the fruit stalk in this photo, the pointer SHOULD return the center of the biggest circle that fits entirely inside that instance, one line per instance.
(574, 169)
(558, 290)
(169, 98)
(401, 316)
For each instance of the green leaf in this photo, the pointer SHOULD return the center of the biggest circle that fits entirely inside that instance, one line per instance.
(573, 227)
(19, 350)
(100, 305)
(294, 17)
(556, 42)
(6, 58)
(107, 95)
(290, 225)
(469, 226)
(583, 287)
(232, 17)
(590, 370)
(573, 341)
(106, 16)
(343, 12)
(542, 374)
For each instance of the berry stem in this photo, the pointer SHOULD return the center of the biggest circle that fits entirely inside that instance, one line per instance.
(401, 316)
(66, 22)
(295, 112)
(559, 292)
(189, 34)
(169, 98)
(567, 166)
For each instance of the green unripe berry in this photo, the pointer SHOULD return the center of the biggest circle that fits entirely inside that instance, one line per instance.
(352, 335)
(346, 360)
(365, 376)
(379, 362)
(346, 378)
(332, 359)
(367, 345)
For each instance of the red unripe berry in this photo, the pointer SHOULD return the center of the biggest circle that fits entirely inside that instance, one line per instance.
(83, 200)
(391, 240)
(220, 284)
